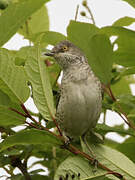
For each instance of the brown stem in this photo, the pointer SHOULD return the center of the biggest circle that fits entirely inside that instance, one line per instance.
(20, 113)
(73, 148)
(16, 162)
(23, 169)
(25, 110)
(76, 14)
(36, 122)
(54, 120)
(111, 93)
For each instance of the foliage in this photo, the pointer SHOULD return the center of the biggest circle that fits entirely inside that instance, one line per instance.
(27, 74)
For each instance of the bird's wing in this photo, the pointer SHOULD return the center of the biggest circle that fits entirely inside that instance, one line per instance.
(57, 96)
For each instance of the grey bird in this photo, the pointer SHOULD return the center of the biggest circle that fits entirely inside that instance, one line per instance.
(80, 100)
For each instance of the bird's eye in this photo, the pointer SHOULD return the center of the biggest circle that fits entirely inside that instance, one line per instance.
(65, 48)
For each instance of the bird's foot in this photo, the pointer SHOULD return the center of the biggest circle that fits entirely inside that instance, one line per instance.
(67, 141)
(95, 164)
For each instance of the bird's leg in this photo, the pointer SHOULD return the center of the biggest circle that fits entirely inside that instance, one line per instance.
(67, 139)
(95, 161)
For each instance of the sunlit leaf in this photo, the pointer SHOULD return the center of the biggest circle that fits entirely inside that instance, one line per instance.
(124, 21)
(102, 128)
(113, 160)
(30, 27)
(15, 15)
(27, 137)
(124, 55)
(13, 79)
(52, 38)
(127, 148)
(77, 166)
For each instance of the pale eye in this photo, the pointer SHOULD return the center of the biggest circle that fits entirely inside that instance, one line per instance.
(65, 48)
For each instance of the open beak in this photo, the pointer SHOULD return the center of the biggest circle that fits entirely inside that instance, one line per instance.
(49, 54)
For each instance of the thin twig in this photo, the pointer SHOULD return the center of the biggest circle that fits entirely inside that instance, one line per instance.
(38, 123)
(91, 15)
(55, 122)
(20, 113)
(76, 14)
(111, 93)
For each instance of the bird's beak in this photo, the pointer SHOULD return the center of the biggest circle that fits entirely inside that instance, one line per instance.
(50, 54)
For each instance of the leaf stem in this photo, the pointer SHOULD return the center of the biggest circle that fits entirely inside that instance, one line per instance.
(91, 14)
(121, 112)
(76, 14)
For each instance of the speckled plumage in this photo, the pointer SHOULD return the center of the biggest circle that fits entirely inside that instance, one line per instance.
(79, 106)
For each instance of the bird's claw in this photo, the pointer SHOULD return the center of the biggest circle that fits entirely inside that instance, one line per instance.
(95, 164)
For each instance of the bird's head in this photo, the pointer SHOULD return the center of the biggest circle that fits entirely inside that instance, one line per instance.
(66, 54)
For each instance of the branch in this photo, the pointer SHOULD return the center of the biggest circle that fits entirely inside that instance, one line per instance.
(70, 147)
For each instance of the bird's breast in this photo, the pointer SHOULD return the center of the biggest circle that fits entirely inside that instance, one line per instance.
(78, 108)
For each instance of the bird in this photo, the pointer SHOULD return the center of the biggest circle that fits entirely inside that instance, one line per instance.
(80, 101)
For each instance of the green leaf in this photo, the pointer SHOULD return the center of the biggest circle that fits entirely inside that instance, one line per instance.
(121, 87)
(124, 21)
(33, 177)
(10, 118)
(113, 159)
(37, 23)
(94, 45)
(39, 177)
(103, 128)
(23, 54)
(126, 102)
(52, 38)
(4, 99)
(13, 79)
(117, 31)
(7, 116)
(75, 166)
(27, 137)
(100, 60)
(80, 33)
(131, 2)
(125, 54)
(128, 71)
(15, 15)
(42, 91)
(4, 160)
(127, 148)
